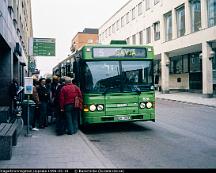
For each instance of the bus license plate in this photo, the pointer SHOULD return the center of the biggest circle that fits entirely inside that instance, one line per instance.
(123, 118)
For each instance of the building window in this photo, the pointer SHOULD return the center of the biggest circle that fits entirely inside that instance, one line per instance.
(214, 61)
(195, 63)
(133, 13)
(147, 4)
(185, 64)
(123, 21)
(134, 39)
(113, 28)
(90, 41)
(179, 64)
(156, 1)
(127, 17)
(128, 40)
(176, 65)
(106, 33)
(117, 25)
(157, 31)
(180, 14)
(157, 71)
(109, 30)
(141, 37)
(157, 67)
(140, 8)
(148, 35)
(102, 37)
(168, 26)
(211, 13)
(214, 70)
(195, 15)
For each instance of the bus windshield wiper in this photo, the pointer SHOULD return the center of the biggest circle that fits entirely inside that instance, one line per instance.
(137, 89)
(108, 89)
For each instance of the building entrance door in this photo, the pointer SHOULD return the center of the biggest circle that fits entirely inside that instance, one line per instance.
(195, 81)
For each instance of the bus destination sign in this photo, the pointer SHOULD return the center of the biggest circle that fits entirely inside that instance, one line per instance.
(120, 52)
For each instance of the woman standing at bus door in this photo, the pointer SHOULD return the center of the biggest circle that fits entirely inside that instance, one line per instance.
(60, 116)
(67, 99)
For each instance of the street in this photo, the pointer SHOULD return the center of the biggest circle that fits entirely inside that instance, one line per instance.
(183, 136)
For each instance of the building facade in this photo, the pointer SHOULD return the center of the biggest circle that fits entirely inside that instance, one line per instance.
(88, 36)
(183, 33)
(15, 30)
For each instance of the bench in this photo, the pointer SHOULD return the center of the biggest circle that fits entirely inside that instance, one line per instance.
(8, 138)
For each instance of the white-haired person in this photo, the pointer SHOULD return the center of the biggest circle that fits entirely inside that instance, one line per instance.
(67, 97)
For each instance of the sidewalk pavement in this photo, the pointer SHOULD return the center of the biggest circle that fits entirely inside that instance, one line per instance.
(186, 97)
(46, 150)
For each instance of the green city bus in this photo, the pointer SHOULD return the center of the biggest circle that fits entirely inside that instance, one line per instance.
(116, 81)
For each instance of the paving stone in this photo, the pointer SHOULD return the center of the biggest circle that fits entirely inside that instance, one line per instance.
(46, 150)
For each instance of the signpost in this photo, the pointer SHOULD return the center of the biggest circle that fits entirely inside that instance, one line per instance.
(42, 46)
(28, 90)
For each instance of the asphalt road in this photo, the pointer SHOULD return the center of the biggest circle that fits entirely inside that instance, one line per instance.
(183, 136)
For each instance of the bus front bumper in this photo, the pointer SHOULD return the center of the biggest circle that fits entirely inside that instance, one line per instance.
(119, 118)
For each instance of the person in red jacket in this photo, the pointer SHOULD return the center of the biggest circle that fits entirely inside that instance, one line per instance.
(66, 100)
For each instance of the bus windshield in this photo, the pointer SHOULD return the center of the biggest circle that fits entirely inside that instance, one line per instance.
(117, 76)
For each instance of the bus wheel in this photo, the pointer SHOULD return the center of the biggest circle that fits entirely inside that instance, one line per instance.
(83, 128)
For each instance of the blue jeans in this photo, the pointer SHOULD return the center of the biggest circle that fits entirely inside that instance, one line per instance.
(71, 118)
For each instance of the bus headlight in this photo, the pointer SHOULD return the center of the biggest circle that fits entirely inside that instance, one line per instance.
(142, 105)
(100, 107)
(149, 105)
(92, 108)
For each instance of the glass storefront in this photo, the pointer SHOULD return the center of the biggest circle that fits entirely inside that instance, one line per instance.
(189, 63)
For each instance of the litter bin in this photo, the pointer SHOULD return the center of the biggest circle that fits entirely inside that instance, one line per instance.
(25, 109)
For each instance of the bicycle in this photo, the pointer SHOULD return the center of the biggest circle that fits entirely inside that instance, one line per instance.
(17, 116)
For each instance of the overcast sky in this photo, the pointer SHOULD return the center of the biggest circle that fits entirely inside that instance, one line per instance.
(62, 19)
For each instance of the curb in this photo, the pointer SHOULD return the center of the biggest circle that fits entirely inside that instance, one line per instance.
(105, 162)
(212, 106)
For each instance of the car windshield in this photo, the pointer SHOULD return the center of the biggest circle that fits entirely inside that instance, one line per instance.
(116, 76)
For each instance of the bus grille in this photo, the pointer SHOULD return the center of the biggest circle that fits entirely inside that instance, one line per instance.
(107, 118)
(137, 117)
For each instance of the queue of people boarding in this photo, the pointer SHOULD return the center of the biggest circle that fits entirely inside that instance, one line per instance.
(56, 98)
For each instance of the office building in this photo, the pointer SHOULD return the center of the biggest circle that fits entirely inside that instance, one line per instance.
(183, 33)
(15, 31)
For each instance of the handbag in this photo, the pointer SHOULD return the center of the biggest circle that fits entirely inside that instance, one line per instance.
(78, 102)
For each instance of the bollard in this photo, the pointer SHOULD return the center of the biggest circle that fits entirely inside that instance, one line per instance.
(28, 134)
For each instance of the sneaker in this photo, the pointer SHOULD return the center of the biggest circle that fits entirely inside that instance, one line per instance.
(35, 129)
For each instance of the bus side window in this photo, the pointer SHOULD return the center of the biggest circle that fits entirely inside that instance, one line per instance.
(75, 73)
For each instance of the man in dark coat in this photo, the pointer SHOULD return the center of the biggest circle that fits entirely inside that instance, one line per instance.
(44, 96)
(60, 116)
